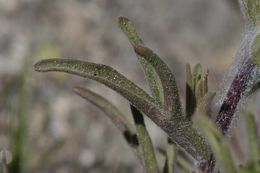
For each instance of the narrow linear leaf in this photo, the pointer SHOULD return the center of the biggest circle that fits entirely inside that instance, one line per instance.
(179, 129)
(195, 88)
(181, 162)
(128, 29)
(205, 82)
(201, 88)
(170, 90)
(188, 74)
(116, 116)
(251, 10)
(196, 76)
(153, 79)
(217, 142)
(204, 106)
(145, 142)
(199, 91)
(170, 157)
(256, 50)
(253, 137)
(184, 164)
(107, 76)
(190, 97)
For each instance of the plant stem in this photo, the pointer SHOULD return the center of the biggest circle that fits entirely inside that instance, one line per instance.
(233, 96)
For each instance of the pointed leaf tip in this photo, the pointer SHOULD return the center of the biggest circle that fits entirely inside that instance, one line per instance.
(129, 31)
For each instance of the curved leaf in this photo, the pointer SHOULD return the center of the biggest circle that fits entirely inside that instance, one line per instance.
(179, 129)
(145, 142)
(116, 116)
(170, 90)
(107, 76)
(154, 82)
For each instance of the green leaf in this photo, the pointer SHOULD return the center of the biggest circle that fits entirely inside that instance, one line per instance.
(178, 128)
(188, 137)
(249, 167)
(204, 106)
(170, 157)
(21, 111)
(196, 76)
(217, 142)
(253, 137)
(145, 142)
(153, 79)
(196, 87)
(201, 88)
(184, 164)
(105, 75)
(180, 160)
(190, 96)
(170, 90)
(256, 50)
(116, 116)
(251, 11)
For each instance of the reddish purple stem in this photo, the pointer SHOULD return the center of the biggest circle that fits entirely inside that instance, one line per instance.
(208, 166)
(233, 96)
(228, 107)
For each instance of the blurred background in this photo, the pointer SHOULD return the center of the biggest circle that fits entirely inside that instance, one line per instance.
(49, 128)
